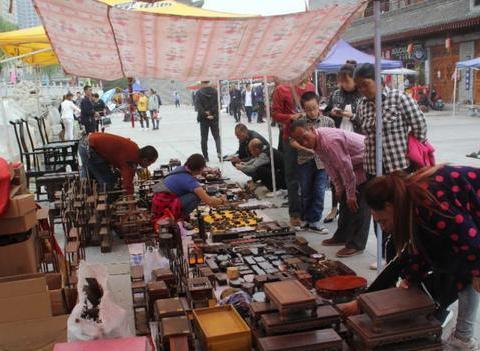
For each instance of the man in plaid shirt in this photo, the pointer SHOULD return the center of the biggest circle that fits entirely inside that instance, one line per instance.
(401, 116)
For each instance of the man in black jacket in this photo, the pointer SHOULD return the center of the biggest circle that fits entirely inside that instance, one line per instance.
(87, 115)
(244, 136)
(235, 102)
(206, 102)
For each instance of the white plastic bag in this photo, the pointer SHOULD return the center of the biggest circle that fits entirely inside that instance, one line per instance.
(153, 260)
(346, 124)
(112, 319)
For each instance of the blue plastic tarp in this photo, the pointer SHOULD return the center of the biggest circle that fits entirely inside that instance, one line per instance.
(473, 63)
(136, 88)
(343, 51)
(107, 96)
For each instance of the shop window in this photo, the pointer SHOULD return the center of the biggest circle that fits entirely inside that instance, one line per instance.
(475, 5)
(384, 7)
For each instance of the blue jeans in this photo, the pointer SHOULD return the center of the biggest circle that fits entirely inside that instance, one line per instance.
(96, 166)
(313, 182)
(189, 202)
(468, 301)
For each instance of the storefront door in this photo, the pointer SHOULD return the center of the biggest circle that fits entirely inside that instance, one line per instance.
(442, 70)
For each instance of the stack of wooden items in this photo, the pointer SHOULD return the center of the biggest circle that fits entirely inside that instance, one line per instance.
(395, 319)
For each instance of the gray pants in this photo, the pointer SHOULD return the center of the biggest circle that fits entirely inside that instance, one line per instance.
(353, 227)
(468, 300)
(293, 187)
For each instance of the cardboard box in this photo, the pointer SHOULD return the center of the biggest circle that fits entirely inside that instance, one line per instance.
(62, 300)
(34, 335)
(19, 205)
(18, 224)
(19, 177)
(24, 298)
(18, 257)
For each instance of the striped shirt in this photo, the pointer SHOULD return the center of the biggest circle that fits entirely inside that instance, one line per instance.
(401, 116)
(319, 122)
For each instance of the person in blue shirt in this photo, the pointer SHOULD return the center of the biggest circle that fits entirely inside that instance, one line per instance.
(180, 192)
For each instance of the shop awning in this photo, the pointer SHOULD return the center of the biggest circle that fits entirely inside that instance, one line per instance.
(109, 43)
(474, 63)
(32, 40)
(27, 41)
(343, 51)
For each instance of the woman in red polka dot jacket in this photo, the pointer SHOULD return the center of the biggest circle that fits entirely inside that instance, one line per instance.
(434, 217)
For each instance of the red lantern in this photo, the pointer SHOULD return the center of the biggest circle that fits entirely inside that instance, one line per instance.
(448, 43)
(410, 49)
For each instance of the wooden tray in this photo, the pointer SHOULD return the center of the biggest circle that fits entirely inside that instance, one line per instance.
(221, 328)
(326, 339)
(395, 304)
(394, 332)
(326, 316)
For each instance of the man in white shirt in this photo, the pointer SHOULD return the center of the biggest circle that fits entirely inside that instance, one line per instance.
(68, 110)
(248, 98)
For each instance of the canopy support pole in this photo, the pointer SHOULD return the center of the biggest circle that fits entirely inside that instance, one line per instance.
(455, 92)
(269, 123)
(316, 82)
(378, 120)
(131, 104)
(219, 102)
(25, 55)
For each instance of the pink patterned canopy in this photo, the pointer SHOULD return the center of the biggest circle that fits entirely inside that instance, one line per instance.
(92, 39)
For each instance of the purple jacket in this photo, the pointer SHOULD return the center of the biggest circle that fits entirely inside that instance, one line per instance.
(342, 154)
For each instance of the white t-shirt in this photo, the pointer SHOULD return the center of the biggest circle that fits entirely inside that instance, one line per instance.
(248, 98)
(68, 109)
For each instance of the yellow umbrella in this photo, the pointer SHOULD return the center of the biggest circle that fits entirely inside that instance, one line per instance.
(35, 47)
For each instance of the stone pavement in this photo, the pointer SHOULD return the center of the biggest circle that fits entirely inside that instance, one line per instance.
(179, 137)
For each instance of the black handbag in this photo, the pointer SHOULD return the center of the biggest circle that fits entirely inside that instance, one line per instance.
(106, 121)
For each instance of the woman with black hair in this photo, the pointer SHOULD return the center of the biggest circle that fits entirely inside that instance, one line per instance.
(342, 106)
(434, 218)
(179, 193)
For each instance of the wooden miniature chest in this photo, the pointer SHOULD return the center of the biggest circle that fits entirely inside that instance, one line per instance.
(168, 308)
(325, 339)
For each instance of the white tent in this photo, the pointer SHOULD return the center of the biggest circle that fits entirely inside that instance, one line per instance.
(469, 64)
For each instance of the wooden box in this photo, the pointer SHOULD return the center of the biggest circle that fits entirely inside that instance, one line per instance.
(174, 326)
(155, 291)
(290, 295)
(222, 328)
(326, 317)
(168, 308)
(164, 274)
(325, 339)
(200, 288)
(395, 304)
(394, 331)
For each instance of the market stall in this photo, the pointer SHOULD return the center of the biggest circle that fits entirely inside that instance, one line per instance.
(262, 279)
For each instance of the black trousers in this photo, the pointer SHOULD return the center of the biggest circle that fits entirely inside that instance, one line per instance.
(261, 111)
(236, 111)
(264, 174)
(353, 228)
(249, 111)
(205, 126)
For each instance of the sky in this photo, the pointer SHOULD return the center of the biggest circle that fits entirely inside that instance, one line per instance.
(256, 7)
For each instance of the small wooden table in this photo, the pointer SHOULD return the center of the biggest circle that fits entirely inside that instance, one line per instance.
(290, 295)
(326, 339)
(168, 308)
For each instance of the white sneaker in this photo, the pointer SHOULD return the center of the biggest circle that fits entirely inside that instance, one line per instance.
(458, 344)
(374, 266)
(316, 227)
